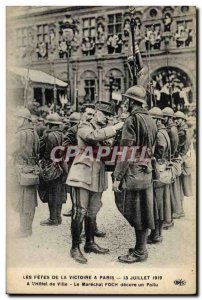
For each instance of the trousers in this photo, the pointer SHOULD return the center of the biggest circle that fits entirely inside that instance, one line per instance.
(85, 203)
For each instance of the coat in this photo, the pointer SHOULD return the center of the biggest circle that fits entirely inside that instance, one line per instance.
(162, 154)
(174, 139)
(70, 137)
(85, 172)
(54, 189)
(136, 206)
(162, 146)
(25, 153)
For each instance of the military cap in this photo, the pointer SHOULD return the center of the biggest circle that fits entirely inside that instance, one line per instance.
(180, 114)
(54, 119)
(156, 112)
(105, 107)
(75, 117)
(137, 93)
(168, 112)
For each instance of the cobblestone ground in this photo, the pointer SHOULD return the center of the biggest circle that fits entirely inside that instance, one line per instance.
(50, 246)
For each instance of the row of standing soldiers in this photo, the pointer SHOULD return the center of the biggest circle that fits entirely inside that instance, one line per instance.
(148, 193)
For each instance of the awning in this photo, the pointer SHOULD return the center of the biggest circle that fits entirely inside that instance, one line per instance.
(38, 76)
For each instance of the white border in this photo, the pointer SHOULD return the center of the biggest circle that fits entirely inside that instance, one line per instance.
(3, 5)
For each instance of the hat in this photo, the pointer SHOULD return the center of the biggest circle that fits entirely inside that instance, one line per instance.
(23, 112)
(137, 93)
(75, 117)
(53, 119)
(105, 107)
(168, 112)
(181, 115)
(156, 112)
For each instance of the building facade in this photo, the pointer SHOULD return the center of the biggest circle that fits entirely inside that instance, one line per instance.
(88, 48)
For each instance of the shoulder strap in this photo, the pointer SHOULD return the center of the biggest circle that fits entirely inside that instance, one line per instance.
(168, 142)
(55, 135)
(148, 136)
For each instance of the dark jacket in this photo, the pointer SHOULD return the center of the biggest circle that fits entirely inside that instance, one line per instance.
(174, 139)
(52, 138)
(70, 137)
(184, 139)
(139, 130)
(162, 145)
(51, 186)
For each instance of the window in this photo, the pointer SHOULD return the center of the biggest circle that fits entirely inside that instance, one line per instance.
(90, 90)
(184, 34)
(115, 24)
(21, 37)
(89, 27)
(153, 13)
(184, 9)
(114, 41)
(43, 33)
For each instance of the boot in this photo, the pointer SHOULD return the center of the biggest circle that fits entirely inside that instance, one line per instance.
(90, 245)
(99, 233)
(167, 225)
(139, 253)
(154, 237)
(75, 251)
(133, 257)
(59, 210)
(52, 221)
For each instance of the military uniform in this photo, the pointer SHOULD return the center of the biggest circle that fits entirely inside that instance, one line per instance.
(162, 154)
(25, 152)
(171, 128)
(88, 180)
(51, 188)
(184, 180)
(137, 205)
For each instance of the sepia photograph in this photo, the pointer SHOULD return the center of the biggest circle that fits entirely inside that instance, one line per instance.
(101, 148)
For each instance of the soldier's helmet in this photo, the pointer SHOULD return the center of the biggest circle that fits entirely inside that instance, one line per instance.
(75, 117)
(180, 114)
(137, 93)
(53, 119)
(168, 112)
(23, 112)
(156, 113)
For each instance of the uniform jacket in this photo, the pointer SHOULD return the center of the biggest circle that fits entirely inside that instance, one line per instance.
(84, 172)
(70, 137)
(174, 139)
(184, 139)
(136, 133)
(26, 147)
(52, 137)
(162, 145)
(25, 153)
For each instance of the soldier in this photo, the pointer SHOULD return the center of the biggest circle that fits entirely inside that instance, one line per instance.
(135, 201)
(183, 149)
(88, 180)
(70, 136)
(26, 150)
(51, 188)
(172, 131)
(162, 155)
